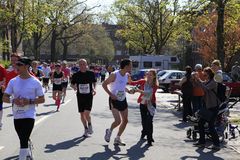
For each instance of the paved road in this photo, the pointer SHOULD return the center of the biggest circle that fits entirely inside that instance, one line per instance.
(58, 135)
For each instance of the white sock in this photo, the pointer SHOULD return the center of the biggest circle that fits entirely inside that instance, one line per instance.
(1, 114)
(23, 154)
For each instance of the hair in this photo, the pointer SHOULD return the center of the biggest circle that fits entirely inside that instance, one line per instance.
(188, 70)
(198, 66)
(124, 62)
(15, 55)
(82, 59)
(155, 80)
(209, 72)
(216, 62)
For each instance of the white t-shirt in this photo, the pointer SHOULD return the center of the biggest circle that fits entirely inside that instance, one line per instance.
(46, 71)
(24, 88)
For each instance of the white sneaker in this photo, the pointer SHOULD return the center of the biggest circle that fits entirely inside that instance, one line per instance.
(85, 133)
(90, 129)
(118, 141)
(108, 134)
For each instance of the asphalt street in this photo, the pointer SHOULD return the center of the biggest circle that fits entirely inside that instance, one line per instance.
(58, 135)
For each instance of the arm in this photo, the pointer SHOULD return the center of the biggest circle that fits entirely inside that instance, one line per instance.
(73, 82)
(109, 80)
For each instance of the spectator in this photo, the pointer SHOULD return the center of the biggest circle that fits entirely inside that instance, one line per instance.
(216, 67)
(235, 72)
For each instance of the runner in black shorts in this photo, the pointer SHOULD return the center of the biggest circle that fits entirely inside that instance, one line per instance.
(84, 82)
(57, 78)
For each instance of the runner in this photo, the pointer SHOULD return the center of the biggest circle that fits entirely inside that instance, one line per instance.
(66, 72)
(2, 82)
(36, 71)
(46, 72)
(57, 77)
(27, 92)
(118, 103)
(84, 82)
(11, 70)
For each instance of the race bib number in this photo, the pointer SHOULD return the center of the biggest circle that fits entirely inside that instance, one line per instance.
(84, 88)
(58, 81)
(20, 109)
(120, 95)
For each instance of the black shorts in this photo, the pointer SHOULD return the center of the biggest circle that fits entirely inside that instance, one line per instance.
(1, 102)
(45, 81)
(84, 102)
(64, 84)
(57, 87)
(119, 105)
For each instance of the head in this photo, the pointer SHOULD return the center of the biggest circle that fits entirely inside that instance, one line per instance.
(14, 58)
(151, 76)
(216, 65)
(208, 72)
(34, 64)
(188, 70)
(45, 64)
(126, 65)
(83, 65)
(57, 67)
(198, 67)
(23, 65)
(64, 64)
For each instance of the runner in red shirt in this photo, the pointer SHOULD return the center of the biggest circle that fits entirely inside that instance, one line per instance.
(66, 71)
(2, 82)
(12, 71)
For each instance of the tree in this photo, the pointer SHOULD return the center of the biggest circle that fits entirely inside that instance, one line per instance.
(152, 21)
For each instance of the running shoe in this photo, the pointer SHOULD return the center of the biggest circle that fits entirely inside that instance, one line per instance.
(85, 134)
(107, 135)
(1, 126)
(119, 142)
(90, 129)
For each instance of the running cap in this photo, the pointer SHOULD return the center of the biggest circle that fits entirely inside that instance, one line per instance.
(24, 61)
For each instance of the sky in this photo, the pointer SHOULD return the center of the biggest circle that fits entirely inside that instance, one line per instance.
(105, 4)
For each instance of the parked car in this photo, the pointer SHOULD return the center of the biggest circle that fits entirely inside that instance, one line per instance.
(140, 74)
(165, 78)
(235, 86)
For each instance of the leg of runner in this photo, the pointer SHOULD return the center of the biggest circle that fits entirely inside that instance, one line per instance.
(1, 108)
(58, 101)
(54, 96)
(64, 89)
(84, 122)
(88, 119)
(124, 117)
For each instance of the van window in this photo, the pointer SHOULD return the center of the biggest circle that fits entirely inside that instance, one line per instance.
(158, 64)
(147, 64)
(173, 59)
(135, 64)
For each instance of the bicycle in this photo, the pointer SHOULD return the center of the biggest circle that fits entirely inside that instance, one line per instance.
(30, 147)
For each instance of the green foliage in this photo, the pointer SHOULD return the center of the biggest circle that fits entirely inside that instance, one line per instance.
(6, 64)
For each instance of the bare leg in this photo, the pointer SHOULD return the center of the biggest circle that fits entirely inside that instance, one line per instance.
(117, 118)
(124, 116)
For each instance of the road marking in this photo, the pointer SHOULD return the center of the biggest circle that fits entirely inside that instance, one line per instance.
(45, 117)
(1, 147)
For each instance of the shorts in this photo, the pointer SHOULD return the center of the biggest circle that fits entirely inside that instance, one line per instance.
(119, 105)
(57, 87)
(84, 102)
(45, 81)
(64, 84)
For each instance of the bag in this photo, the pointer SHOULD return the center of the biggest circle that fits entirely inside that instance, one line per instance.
(221, 92)
(205, 114)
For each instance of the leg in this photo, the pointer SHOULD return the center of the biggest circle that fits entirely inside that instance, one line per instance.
(124, 116)
(143, 111)
(201, 124)
(149, 128)
(117, 118)
(213, 131)
(184, 116)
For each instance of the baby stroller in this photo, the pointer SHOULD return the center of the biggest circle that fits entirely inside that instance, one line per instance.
(221, 124)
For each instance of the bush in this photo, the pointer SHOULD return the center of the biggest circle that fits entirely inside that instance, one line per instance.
(6, 64)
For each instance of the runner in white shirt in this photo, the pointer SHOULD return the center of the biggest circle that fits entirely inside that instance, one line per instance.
(118, 103)
(26, 91)
(46, 71)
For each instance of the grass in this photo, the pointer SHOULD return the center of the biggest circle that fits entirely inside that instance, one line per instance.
(235, 120)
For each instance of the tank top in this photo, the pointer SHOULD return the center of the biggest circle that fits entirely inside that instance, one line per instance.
(58, 78)
(118, 86)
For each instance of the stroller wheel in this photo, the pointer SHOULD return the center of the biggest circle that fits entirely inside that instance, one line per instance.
(189, 133)
(194, 135)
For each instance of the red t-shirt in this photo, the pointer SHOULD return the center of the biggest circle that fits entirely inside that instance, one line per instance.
(142, 83)
(2, 73)
(11, 73)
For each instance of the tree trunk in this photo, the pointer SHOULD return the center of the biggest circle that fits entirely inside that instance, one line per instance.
(65, 49)
(53, 45)
(14, 37)
(36, 48)
(220, 32)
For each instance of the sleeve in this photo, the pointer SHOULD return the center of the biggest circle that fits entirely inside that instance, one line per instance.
(139, 82)
(73, 81)
(39, 89)
(9, 89)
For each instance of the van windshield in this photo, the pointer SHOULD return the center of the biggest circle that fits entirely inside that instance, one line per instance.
(161, 73)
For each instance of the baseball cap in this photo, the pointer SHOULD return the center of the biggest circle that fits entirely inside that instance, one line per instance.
(24, 61)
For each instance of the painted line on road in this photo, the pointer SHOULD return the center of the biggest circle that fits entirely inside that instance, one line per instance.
(45, 117)
(1, 147)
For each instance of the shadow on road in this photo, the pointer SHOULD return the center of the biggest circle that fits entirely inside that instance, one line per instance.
(46, 113)
(137, 151)
(11, 158)
(64, 145)
(107, 154)
(203, 155)
(47, 105)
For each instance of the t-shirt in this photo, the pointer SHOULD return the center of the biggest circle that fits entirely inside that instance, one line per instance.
(84, 81)
(66, 72)
(11, 73)
(24, 88)
(46, 71)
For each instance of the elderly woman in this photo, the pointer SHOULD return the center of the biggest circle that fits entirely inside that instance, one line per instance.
(211, 103)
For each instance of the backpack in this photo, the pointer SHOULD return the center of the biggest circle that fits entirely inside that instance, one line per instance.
(187, 87)
(221, 92)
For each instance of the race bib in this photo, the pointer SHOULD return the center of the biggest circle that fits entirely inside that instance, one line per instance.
(84, 88)
(20, 110)
(58, 81)
(120, 95)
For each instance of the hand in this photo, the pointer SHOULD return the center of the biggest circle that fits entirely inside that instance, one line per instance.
(132, 91)
(94, 92)
(113, 97)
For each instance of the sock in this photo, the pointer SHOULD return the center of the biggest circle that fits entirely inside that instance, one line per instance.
(85, 127)
(23, 153)
(89, 123)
